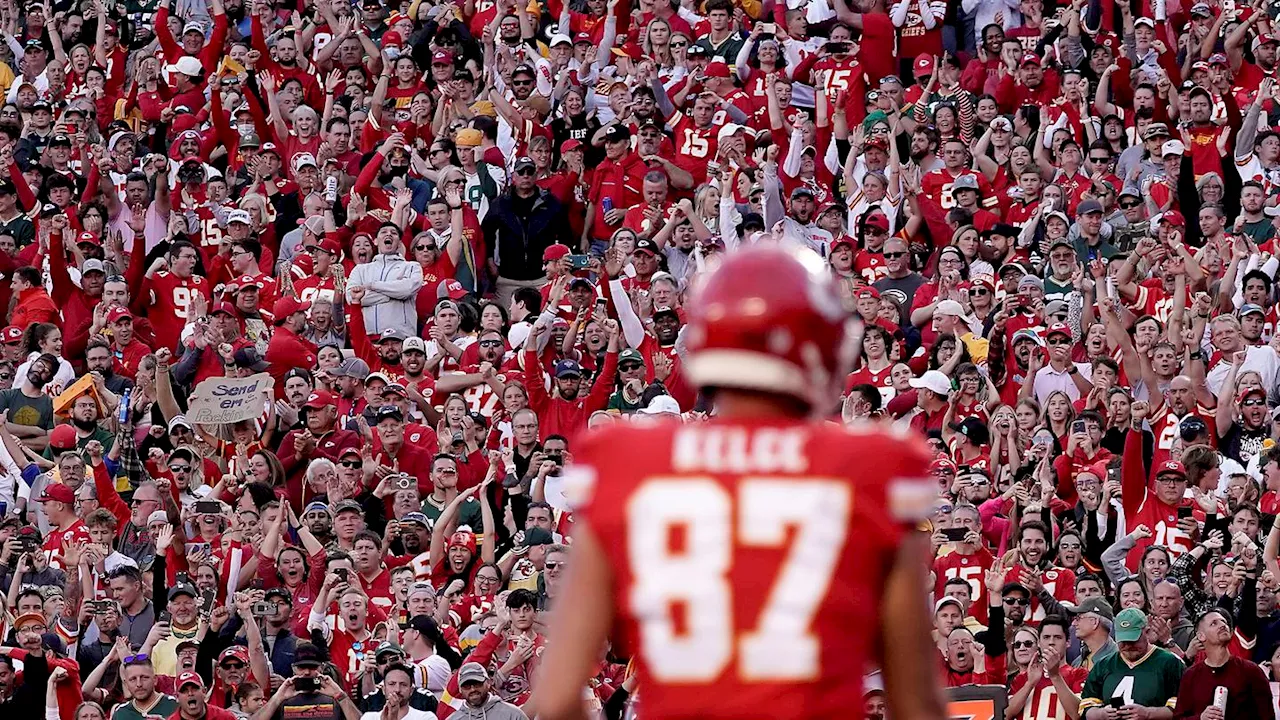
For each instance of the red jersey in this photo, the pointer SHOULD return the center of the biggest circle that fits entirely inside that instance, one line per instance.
(769, 540)
(77, 532)
(883, 381)
(871, 266)
(170, 297)
(1043, 703)
(1060, 582)
(971, 569)
(937, 187)
(695, 146)
(1143, 507)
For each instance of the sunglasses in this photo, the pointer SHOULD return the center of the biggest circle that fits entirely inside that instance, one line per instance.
(678, 45)
(876, 231)
(490, 343)
(525, 171)
(629, 367)
(131, 659)
(179, 468)
(138, 501)
(1059, 342)
(1016, 601)
(552, 565)
(979, 291)
(1254, 402)
(521, 83)
(893, 255)
(1100, 159)
(232, 666)
(423, 248)
(351, 463)
(1019, 644)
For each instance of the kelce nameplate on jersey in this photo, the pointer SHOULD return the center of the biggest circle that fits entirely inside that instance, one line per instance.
(740, 450)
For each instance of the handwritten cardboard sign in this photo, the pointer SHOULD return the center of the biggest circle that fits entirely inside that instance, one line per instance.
(220, 400)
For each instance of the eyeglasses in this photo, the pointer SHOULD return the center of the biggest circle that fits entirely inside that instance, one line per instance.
(1016, 601)
(437, 151)
(131, 659)
(179, 468)
(486, 578)
(1069, 546)
(1129, 205)
(351, 463)
(1019, 644)
(893, 255)
(138, 501)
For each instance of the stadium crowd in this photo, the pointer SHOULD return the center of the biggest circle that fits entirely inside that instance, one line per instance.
(457, 235)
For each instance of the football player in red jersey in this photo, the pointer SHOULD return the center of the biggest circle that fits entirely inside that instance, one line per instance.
(745, 561)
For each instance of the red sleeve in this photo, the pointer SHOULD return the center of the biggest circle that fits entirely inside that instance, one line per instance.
(359, 335)
(1005, 96)
(108, 498)
(91, 184)
(259, 40)
(1133, 474)
(1064, 466)
(211, 55)
(602, 388)
(58, 275)
(25, 196)
(367, 175)
(538, 398)
(804, 71)
(165, 38)
(484, 650)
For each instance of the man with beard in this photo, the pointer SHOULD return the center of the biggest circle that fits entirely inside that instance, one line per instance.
(1034, 571)
(330, 702)
(30, 410)
(85, 417)
(568, 409)
(1243, 424)
(1141, 676)
(481, 384)
(182, 607)
(1248, 694)
(415, 540)
(798, 218)
(139, 679)
(390, 345)
(319, 438)
(287, 348)
(316, 516)
(444, 479)
(386, 287)
(419, 384)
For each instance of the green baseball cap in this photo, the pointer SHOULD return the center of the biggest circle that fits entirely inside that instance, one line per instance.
(630, 355)
(1129, 625)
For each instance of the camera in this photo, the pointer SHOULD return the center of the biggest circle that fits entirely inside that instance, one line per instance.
(404, 482)
(263, 609)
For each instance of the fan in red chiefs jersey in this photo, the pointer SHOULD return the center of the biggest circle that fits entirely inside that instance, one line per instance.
(347, 634)
(1034, 570)
(1154, 504)
(482, 383)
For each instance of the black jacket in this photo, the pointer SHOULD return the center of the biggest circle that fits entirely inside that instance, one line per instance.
(516, 243)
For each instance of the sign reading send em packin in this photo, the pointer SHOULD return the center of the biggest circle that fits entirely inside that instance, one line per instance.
(220, 400)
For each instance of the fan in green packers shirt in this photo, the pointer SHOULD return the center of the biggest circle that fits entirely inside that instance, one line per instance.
(1140, 675)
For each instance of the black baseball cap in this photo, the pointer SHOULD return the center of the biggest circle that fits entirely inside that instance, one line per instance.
(306, 654)
(616, 133)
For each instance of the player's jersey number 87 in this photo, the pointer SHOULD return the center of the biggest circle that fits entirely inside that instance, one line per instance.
(782, 646)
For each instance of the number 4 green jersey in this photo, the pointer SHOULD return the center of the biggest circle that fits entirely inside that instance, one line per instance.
(1150, 682)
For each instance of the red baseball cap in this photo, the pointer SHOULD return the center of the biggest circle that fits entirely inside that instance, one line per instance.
(319, 399)
(242, 282)
(63, 437)
(455, 289)
(942, 463)
(189, 678)
(391, 38)
(463, 538)
(223, 307)
(1174, 218)
(1030, 58)
(570, 145)
(88, 237)
(923, 64)
(57, 492)
(331, 246)
(878, 220)
(554, 252)
(118, 313)
(717, 70)
(869, 292)
(442, 57)
(1171, 467)
(287, 306)
(239, 652)
(1057, 329)
(12, 334)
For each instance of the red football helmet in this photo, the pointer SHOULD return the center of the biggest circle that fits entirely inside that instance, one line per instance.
(769, 319)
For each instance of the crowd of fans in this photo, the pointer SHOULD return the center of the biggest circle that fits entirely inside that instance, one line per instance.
(456, 235)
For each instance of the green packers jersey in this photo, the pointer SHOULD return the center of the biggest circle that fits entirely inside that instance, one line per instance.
(1150, 682)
